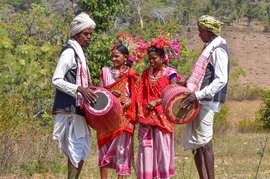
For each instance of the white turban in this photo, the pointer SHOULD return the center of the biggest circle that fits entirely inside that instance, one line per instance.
(80, 23)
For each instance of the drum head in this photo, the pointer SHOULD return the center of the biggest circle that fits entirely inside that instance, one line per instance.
(181, 113)
(101, 102)
(178, 115)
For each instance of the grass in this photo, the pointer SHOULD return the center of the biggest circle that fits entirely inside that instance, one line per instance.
(235, 157)
(33, 154)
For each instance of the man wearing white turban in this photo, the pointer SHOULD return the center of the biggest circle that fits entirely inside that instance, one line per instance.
(73, 85)
(81, 22)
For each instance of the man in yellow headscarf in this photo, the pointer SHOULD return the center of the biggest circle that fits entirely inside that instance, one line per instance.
(210, 23)
(208, 83)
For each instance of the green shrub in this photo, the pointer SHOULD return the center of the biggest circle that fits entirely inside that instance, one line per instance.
(266, 28)
(220, 120)
(99, 53)
(264, 111)
(248, 125)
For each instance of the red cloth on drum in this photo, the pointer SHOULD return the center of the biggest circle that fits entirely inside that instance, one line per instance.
(129, 117)
(148, 91)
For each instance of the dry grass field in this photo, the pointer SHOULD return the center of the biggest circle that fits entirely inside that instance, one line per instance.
(236, 152)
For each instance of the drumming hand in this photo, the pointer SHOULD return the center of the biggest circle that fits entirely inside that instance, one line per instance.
(188, 102)
(93, 87)
(181, 83)
(116, 93)
(88, 93)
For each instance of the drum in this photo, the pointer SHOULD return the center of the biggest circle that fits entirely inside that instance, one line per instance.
(172, 97)
(104, 115)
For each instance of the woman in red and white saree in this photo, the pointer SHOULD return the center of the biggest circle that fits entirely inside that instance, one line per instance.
(115, 147)
(156, 143)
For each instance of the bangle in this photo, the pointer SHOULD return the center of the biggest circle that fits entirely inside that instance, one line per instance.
(158, 101)
(127, 103)
(140, 115)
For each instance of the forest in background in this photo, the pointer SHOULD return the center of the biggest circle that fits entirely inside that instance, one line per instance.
(33, 32)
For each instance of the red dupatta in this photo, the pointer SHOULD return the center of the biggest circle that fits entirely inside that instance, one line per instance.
(148, 91)
(129, 117)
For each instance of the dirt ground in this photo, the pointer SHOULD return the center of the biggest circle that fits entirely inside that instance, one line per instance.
(249, 46)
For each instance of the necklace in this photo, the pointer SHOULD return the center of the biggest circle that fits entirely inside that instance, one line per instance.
(151, 74)
(116, 73)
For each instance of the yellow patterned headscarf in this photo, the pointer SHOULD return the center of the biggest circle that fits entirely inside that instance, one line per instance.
(210, 23)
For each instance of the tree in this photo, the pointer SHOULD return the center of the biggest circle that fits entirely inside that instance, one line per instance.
(35, 26)
(99, 53)
(138, 4)
(103, 12)
(264, 111)
(252, 11)
(268, 12)
(239, 8)
(30, 42)
(21, 5)
(161, 13)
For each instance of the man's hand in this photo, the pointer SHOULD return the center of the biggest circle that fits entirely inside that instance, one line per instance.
(189, 101)
(182, 83)
(88, 93)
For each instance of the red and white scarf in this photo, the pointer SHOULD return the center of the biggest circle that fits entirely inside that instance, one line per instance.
(194, 82)
(83, 77)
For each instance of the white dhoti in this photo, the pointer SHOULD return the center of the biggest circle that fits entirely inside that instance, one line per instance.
(73, 135)
(199, 131)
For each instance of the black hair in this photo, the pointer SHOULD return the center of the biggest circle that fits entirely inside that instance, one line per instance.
(159, 51)
(123, 50)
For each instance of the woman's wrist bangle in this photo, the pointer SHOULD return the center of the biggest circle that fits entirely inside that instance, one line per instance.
(127, 103)
(158, 101)
(140, 115)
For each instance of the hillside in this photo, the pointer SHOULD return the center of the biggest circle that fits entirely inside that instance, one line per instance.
(248, 45)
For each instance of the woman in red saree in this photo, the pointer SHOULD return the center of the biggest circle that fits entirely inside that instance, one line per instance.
(156, 146)
(115, 147)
